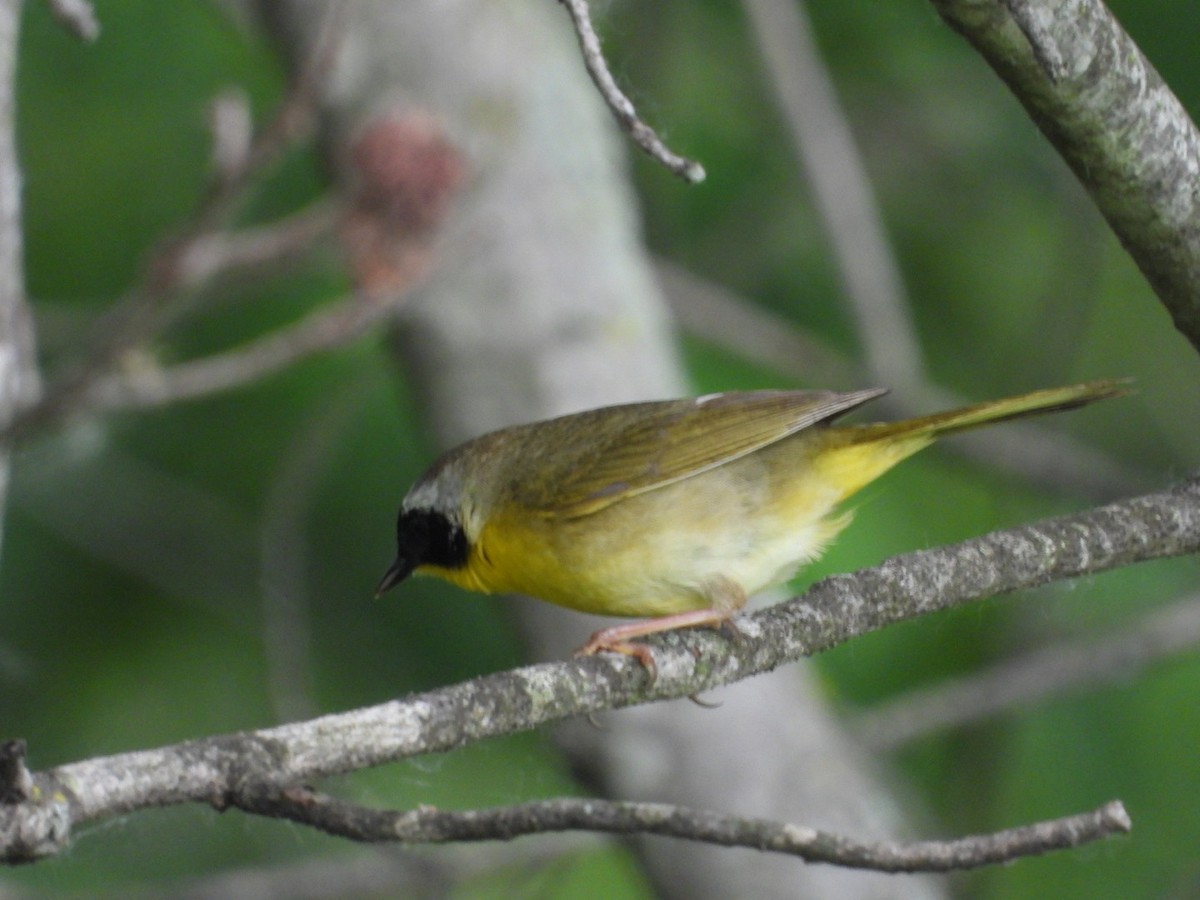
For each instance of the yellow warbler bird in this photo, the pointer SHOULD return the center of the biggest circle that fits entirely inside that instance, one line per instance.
(673, 511)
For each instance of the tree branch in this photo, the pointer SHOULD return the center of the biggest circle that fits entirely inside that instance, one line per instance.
(430, 825)
(218, 253)
(218, 769)
(621, 106)
(149, 306)
(1128, 139)
(326, 328)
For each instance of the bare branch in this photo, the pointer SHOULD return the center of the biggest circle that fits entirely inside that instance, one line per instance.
(78, 17)
(217, 769)
(409, 173)
(291, 120)
(322, 330)
(1130, 142)
(1033, 678)
(221, 252)
(622, 107)
(829, 156)
(147, 308)
(429, 825)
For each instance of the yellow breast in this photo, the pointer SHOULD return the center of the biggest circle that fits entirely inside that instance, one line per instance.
(751, 523)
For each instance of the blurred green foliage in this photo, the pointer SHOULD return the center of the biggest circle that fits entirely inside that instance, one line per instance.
(137, 548)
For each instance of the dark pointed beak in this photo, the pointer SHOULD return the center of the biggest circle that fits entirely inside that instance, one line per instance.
(396, 573)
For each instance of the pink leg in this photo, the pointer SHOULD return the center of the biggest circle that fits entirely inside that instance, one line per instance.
(616, 639)
(727, 598)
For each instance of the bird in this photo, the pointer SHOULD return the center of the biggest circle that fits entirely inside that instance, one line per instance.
(670, 512)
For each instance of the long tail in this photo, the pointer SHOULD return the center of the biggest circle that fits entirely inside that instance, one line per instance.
(1034, 403)
(858, 454)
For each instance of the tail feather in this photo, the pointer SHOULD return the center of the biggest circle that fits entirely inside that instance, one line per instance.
(858, 454)
(1034, 403)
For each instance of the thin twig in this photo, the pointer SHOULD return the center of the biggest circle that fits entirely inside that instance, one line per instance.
(429, 825)
(219, 769)
(1081, 664)
(146, 309)
(222, 252)
(622, 107)
(325, 329)
(291, 121)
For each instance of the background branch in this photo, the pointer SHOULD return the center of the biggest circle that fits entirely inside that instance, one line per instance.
(171, 274)
(324, 329)
(828, 154)
(1065, 667)
(78, 17)
(286, 599)
(220, 253)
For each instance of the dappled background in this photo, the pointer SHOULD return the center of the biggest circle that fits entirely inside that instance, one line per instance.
(207, 566)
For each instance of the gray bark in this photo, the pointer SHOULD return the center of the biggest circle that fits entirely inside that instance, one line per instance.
(1127, 138)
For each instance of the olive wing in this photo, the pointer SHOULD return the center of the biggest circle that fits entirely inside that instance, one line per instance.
(625, 451)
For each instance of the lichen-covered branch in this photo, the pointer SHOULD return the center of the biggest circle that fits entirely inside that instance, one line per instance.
(42, 813)
(1128, 139)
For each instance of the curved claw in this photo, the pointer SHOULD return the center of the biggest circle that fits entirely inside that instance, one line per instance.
(600, 643)
(618, 639)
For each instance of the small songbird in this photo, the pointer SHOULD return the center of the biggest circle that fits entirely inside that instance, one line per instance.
(674, 511)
